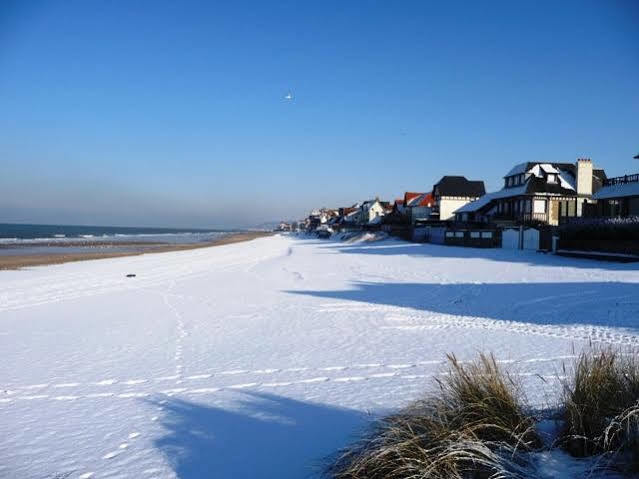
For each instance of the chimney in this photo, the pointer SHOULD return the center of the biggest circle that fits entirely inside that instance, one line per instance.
(584, 177)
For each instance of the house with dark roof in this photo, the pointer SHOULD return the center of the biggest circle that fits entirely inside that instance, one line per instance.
(453, 192)
(398, 206)
(537, 192)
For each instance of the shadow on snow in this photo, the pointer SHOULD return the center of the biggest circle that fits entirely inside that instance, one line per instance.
(597, 303)
(399, 247)
(263, 436)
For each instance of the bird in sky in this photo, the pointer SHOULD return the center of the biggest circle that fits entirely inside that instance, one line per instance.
(289, 96)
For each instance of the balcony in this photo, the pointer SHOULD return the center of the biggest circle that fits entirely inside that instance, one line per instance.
(622, 180)
(522, 217)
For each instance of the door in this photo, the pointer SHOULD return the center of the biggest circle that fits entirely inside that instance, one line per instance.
(510, 239)
(531, 239)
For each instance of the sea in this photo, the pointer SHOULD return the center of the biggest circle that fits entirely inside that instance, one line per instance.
(20, 239)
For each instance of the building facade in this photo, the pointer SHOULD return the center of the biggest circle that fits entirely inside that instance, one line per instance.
(453, 192)
(538, 192)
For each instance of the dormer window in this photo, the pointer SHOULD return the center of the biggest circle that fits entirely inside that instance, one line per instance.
(552, 178)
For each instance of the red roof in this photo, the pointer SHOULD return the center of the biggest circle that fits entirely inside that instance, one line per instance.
(408, 196)
(418, 199)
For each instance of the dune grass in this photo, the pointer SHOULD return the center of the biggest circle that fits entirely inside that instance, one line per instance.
(474, 426)
(600, 406)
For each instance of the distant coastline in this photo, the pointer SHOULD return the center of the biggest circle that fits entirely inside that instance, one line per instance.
(15, 232)
(38, 245)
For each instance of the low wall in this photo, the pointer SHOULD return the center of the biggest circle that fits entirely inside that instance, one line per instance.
(602, 246)
(472, 238)
(437, 235)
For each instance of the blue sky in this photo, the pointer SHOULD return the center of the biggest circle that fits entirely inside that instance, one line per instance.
(173, 113)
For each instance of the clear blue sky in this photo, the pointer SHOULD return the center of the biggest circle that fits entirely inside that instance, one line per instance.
(173, 113)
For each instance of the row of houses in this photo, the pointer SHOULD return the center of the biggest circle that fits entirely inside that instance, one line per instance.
(533, 193)
(440, 204)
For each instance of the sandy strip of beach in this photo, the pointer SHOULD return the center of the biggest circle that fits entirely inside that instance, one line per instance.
(21, 261)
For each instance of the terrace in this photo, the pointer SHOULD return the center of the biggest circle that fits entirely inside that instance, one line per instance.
(522, 217)
(621, 180)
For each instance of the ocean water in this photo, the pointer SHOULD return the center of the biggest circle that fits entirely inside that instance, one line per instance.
(51, 239)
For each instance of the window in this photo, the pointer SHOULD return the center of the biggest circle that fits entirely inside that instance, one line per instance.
(552, 178)
(459, 234)
(474, 234)
(486, 234)
(449, 234)
(539, 206)
(572, 207)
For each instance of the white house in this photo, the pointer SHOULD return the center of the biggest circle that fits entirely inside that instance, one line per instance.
(371, 210)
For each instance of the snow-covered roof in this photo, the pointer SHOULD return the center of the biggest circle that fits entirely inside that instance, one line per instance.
(518, 169)
(535, 169)
(369, 203)
(352, 216)
(567, 181)
(488, 197)
(422, 199)
(620, 190)
(543, 167)
(548, 168)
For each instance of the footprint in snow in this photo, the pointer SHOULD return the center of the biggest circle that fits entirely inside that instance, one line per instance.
(112, 454)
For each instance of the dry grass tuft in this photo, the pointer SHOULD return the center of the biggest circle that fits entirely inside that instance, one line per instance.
(601, 413)
(475, 427)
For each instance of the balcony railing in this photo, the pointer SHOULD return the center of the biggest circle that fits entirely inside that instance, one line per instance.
(523, 217)
(622, 180)
(543, 217)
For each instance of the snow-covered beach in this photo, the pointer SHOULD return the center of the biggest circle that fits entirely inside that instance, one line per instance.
(259, 359)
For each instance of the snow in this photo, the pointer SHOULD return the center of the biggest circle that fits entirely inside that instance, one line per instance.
(260, 359)
(543, 167)
(567, 181)
(366, 237)
(548, 168)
